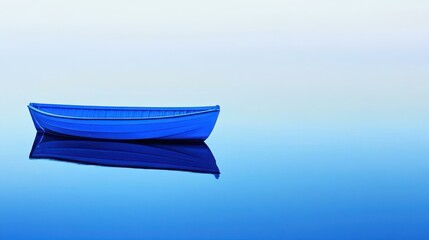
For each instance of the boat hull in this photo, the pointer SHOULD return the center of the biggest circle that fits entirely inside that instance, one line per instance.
(195, 127)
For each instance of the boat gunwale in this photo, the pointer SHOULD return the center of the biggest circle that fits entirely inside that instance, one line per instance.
(32, 107)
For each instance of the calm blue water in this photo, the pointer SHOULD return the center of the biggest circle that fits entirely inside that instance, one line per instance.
(324, 182)
(323, 132)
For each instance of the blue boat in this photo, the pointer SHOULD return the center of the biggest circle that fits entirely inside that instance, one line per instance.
(180, 156)
(125, 123)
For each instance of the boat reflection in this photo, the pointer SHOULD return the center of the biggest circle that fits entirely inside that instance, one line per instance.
(190, 157)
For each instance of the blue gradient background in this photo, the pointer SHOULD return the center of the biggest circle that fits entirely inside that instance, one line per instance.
(323, 132)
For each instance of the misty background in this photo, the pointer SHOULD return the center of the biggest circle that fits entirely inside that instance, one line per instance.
(322, 134)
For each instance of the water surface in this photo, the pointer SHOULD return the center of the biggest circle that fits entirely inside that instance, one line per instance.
(306, 185)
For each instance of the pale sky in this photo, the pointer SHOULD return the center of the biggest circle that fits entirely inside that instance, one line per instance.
(297, 60)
